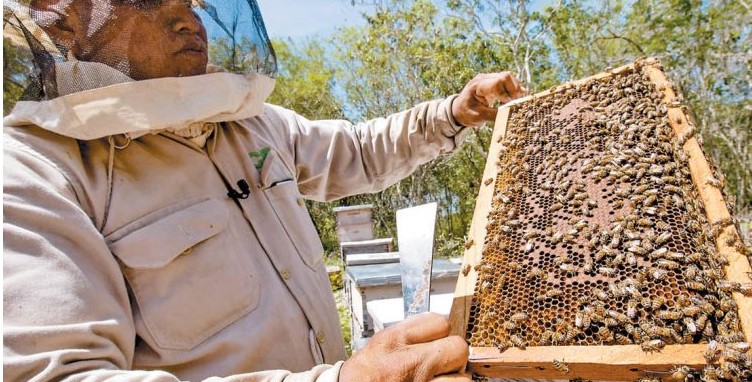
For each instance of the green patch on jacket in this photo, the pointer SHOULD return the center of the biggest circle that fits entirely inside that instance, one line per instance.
(261, 155)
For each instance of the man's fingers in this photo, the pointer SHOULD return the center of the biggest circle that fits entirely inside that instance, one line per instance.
(486, 113)
(446, 355)
(512, 86)
(474, 105)
(501, 86)
(424, 327)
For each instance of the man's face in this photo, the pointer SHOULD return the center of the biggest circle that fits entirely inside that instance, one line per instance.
(142, 38)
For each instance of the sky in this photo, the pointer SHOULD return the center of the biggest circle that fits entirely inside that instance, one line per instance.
(297, 19)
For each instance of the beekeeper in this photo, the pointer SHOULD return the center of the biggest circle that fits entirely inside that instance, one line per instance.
(155, 228)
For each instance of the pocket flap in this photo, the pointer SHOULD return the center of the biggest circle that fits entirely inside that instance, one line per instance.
(159, 242)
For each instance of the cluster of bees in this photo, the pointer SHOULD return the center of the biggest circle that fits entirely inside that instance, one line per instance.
(597, 236)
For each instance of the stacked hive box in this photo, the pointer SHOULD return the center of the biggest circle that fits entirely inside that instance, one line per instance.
(601, 246)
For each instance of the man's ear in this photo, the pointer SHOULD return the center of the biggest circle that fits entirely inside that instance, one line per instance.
(62, 20)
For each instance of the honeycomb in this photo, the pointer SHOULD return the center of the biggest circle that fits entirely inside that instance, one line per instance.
(596, 233)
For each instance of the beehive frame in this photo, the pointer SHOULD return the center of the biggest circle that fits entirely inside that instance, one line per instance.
(597, 362)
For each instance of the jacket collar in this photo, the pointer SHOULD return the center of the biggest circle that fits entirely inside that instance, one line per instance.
(115, 104)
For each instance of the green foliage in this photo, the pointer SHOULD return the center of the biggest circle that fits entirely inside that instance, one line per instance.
(414, 50)
(409, 53)
(305, 83)
(16, 63)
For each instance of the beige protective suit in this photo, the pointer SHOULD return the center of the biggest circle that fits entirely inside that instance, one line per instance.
(126, 259)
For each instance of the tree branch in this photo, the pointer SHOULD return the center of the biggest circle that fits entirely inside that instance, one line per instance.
(614, 36)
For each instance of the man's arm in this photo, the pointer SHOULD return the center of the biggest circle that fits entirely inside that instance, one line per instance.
(334, 158)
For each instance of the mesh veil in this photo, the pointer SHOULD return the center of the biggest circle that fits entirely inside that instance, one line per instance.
(114, 41)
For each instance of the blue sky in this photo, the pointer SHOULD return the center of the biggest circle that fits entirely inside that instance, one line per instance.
(297, 19)
(305, 18)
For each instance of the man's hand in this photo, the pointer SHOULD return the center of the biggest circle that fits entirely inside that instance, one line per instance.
(417, 349)
(475, 104)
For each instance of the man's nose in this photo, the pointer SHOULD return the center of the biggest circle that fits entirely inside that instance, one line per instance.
(183, 20)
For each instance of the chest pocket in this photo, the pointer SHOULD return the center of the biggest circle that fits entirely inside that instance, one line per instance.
(281, 190)
(188, 279)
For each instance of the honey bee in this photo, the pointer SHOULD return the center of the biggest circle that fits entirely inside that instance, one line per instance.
(668, 264)
(522, 316)
(553, 292)
(653, 345)
(530, 235)
(644, 222)
(680, 373)
(469, 243)
(728, 286)
(588, 266)
(579, 320)
(514, 265)
(742, 347)
(730, 240)
(660, 252)
(488, 181)
(701, 321)
(691, 310)
(713, 181)
(659, 274)
(605, 334)
(569, 269)
(501, 345)
(484, 286)
(631, 309)
(600, 294)
(661, 225)
(534, 272)
(528, 246)
(621, 339)
(733, 356)
(727, 304)
(638, 250)
(466, 270)
(561, 366)
(607, 271)
(517, 341)
(710, 374)
(690, 324)
(670, 315)
(726, 338)
(663, 238)
(657, 302)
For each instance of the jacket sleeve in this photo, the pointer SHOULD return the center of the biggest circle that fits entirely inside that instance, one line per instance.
(334, 158)
(67, 313)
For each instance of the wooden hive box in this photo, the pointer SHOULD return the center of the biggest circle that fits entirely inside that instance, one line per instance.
(601, 246)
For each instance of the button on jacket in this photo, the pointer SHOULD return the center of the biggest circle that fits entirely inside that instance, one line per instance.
(127, 258)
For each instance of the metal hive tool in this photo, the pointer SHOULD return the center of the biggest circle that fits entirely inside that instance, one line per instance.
(601, 246)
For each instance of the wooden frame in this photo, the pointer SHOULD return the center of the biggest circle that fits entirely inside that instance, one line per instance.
(596, 362)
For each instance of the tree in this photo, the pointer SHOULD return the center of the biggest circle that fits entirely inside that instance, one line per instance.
(16, 65)
(706, 47)
(305, 83)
